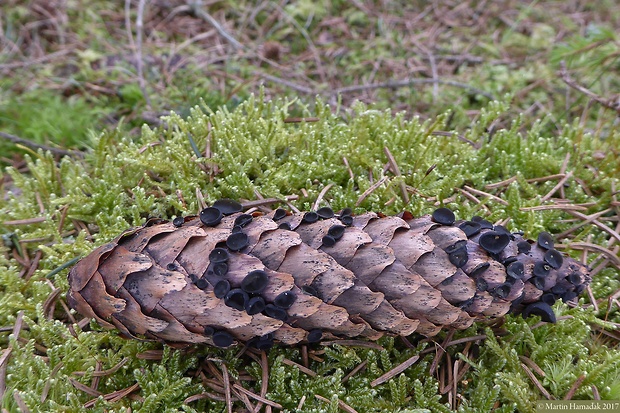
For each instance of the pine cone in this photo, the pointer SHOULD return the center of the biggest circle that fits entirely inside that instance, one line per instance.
(226, 276)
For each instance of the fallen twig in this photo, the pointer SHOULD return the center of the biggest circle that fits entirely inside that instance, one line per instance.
(393, 84)
(612, 103)
(395, 371)
(34, 145)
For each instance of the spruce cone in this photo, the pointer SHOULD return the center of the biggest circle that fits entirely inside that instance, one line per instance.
(226, 276)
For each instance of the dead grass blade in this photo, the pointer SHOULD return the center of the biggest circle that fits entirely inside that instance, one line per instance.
(299, 366)
(257, 397)
(536, 382)
(341, 405)
(593, 247)
(395, 371)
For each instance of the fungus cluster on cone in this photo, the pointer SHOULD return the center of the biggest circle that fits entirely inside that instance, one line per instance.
(225, 276)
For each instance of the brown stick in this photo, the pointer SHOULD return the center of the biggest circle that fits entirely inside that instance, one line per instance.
(611, 103)
(34, 145)
(395, 371)
(409, 82)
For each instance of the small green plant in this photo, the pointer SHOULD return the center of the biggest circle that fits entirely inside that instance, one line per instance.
(46, 118)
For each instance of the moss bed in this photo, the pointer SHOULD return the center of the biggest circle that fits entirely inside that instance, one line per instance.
(56, 210)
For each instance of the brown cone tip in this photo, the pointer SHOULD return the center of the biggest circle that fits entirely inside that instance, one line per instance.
(225, 277)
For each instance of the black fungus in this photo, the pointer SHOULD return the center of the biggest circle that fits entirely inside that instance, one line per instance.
(237, 299)
(457, 253)
(285, 226)
(574, 278)
(285, 300)
(458, 258)
(209, 330)
(510, 281)
(554, 258)
(228, 206)
(279, 214)
(255, 305)
(545, 240)
(501, 229)
(443, 216)
(310, 290)
(221, 288)
(548, 298)
(519, 299)
(579, 288)
(237, 241)
(325, 212)
(470, 228)
(310, 217)
(222, 339)
(255, 282)
(515, 304)
(202, 283)
(171, 266)
(178, 222)
(347, 220)
(218, 255)
(569, 295)
(466, 303)
(541, 309)
(243, 220)
(479, 269)
(264, 342)
(275, 312)
(559, 289)
(210, 216)
(538, 282)
(509, 260)
(237, 228)
(456, 246)
(328, 241)
(220, 269)
(482, 284)
(541, 269)
(493, 242)
(516, 270)
(315, 335)
(524, 247)
(193, 277)
(336, 231)
(484, 224)
(502, 291)
(346, 211)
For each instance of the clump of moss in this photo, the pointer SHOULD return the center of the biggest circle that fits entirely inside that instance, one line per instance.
(122, 181)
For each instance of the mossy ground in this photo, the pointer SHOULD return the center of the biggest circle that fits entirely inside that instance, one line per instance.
(122, 180)
(71, 81)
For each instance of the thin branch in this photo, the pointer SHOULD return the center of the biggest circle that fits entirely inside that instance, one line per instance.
(395, 371)
(393, 84)
(138, 44)
(287, 83)
(34, 145)
(196, 8)
(396, 171)
(612, 103)
(28, 63)
(559, 185)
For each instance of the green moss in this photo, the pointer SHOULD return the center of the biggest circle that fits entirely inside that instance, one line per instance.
(44, 116)
(121, 181)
